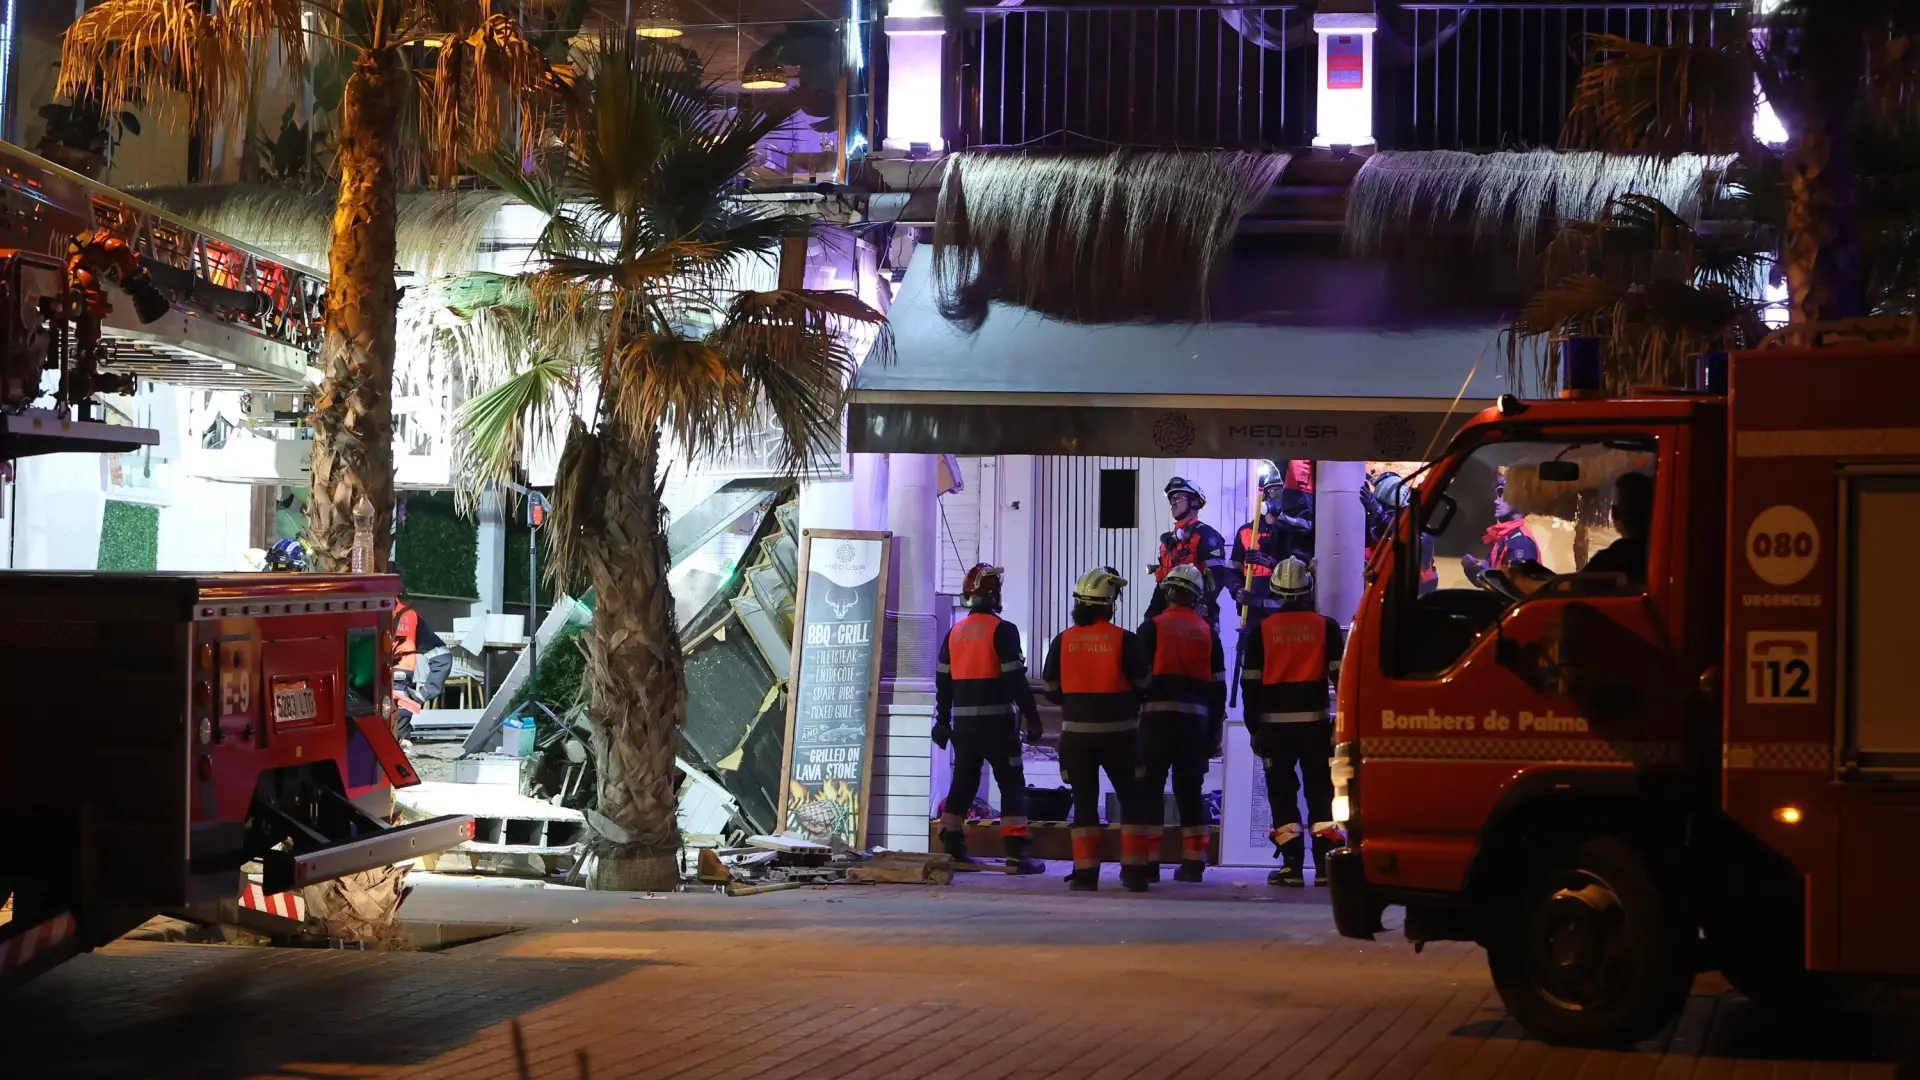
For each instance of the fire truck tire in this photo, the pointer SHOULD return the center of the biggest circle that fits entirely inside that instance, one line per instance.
(1595, 953)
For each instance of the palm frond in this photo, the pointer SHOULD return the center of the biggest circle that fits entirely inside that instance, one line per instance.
(516, 416)
(123, 51)
(491, 83)
(1663, 99)
(793, 357)
(1570, 305)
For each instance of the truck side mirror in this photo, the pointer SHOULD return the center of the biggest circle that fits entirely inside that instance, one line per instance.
(1441, 515)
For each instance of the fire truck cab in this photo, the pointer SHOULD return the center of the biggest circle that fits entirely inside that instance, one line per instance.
(1681, 739)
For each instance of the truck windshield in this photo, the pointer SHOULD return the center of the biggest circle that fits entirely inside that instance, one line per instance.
(1516, 516)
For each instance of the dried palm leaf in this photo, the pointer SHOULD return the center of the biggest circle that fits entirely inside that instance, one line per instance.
(1510, 199)
(1092, 237)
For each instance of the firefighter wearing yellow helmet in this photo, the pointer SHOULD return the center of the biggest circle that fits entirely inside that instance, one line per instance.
(1095, 672)
(1182, 716)
(979, 686)
(1291, 663)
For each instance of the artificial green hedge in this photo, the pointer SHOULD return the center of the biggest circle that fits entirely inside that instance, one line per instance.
(438, 550)
(129, 537)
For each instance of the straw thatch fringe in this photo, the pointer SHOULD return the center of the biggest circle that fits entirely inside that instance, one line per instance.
(439, 233)
(1105, 237)
(1511, 198)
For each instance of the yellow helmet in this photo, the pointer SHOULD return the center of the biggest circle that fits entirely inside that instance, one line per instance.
(1101, 585)
(1292, 579)
(1187, 577)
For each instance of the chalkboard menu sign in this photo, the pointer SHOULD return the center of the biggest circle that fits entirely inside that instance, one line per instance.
(835, 683)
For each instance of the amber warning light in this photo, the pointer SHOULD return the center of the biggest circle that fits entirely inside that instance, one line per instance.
(1787, 815)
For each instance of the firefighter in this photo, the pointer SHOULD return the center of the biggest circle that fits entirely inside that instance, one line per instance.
(421, 662)
(1509, 540)
(1182, 716)
(1095, 672)
(1632, 514)
(1284, 529)
(1289, 665)
(1386, 496)
(1192, 542)
(980, 684)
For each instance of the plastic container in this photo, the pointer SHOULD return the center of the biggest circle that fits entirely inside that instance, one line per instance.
(516, 737)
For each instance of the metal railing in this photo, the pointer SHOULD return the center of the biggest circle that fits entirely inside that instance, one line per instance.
(1175, 75)
(1479, 76)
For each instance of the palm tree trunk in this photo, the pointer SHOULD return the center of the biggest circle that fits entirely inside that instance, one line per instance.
(353, 413)
(1822, 246)
(634, 667)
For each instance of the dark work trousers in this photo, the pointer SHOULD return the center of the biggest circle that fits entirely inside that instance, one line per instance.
(1083, 754)
(1174, 743)
(996, 742)
(1309, 746)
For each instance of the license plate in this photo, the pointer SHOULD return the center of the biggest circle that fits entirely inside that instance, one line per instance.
(293, 704)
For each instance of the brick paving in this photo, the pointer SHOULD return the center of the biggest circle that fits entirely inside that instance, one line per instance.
(985, 979)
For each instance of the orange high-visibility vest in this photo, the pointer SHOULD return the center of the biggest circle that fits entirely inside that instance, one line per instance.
(1295, 645)
(970, 652)
(1090, 660)
(1183, 644)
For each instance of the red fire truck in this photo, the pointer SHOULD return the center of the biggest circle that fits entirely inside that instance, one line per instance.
(164, 730)
(1687, 749)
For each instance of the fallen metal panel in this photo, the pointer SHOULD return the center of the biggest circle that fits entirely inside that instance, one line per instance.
(694, 529)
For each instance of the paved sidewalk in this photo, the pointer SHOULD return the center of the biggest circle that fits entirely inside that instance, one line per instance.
(984, 979)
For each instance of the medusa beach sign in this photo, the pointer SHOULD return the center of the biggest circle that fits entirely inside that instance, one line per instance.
(840, 613)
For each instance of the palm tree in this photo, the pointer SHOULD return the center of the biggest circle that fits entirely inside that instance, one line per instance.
(470, 79)
(466, 75)
(1843, 79)
(641, 339)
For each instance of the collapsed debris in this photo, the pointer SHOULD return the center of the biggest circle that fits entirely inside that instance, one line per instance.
(773, 863)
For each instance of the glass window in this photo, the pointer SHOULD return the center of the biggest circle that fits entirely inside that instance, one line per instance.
(1570, 516)
(363, 666)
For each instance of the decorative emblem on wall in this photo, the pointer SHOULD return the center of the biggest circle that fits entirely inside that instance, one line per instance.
(1393, 436)
(1173, 432)
(845, 553)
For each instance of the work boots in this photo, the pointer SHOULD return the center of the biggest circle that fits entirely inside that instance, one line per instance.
(1190, 870)
(955, 843)
(1084, 881)
(1133, 878)
(1017, 861)
(1289, 875)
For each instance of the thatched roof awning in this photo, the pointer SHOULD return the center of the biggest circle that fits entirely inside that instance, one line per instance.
(1024, 384)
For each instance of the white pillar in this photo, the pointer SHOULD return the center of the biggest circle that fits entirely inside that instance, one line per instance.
(1339, 537)
(1345, 29)
(490, 565)
(902, 760)
(915, 46)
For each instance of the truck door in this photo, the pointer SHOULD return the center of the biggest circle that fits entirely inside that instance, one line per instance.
(1879, 792)
(1534, 651)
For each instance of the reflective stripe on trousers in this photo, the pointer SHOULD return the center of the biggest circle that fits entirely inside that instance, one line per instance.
(1185, 707)
(1086, 848)
(1292, 717)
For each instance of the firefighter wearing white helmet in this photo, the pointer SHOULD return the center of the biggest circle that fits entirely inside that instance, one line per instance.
(1290, 663)
(1192, 542)
(1283, 529)
(1095, 672)
(1182, 716)
(979, 686)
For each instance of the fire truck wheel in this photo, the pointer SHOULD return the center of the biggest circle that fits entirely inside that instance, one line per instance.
(1594, 954)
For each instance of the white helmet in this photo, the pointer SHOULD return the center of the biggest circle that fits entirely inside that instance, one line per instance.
(1186, 577)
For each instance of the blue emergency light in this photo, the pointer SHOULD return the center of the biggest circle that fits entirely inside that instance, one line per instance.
(1581, 371)
(1710, 373)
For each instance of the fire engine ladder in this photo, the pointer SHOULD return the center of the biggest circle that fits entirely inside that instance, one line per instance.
(242, 318)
